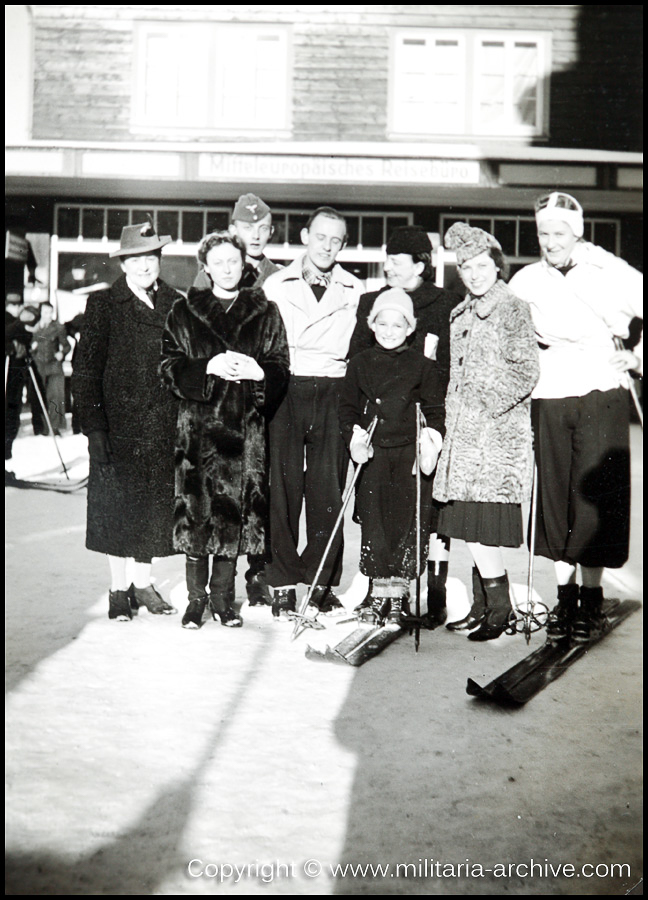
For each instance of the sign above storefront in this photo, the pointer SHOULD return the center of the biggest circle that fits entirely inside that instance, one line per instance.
(319, 169)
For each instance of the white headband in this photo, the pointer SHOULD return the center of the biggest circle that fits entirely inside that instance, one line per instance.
(572, 217)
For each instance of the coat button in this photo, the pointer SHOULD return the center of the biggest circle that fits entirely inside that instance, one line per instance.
(378, 401)
(461, 360)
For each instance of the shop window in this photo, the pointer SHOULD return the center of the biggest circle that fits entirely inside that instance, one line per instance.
(117, 219)
(68, 221)
(217, 220)
(193, 226)
(469, 82)
(168, 222)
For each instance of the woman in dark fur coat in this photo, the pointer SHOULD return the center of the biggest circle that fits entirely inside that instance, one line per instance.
(225, 355)
(130, 422)
(485, 469)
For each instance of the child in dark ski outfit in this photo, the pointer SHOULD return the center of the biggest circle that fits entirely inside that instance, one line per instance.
(387, 381)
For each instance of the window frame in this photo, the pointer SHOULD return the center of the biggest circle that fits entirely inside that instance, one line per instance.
(212, 33)
(471, 42)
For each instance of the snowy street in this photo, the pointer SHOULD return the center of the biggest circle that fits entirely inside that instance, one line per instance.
(143, 758)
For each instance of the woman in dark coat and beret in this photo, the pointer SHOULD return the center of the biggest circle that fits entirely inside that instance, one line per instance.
(130, 421)
(225, 355)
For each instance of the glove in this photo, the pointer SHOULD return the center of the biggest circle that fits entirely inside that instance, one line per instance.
(428, 452)
(99, 448)
(360, 448)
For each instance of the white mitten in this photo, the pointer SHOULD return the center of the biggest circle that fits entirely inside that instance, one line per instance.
(360, 448)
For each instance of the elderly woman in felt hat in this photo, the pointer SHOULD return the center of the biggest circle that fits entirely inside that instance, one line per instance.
(582, 300)
(130, 420)
(485, 469)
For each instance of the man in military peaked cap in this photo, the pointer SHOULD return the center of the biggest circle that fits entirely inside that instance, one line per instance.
(252, 224)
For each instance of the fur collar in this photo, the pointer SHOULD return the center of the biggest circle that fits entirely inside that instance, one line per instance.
(250, 303)
(485, 305)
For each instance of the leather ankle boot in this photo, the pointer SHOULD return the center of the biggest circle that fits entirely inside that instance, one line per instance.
(499, 612)
(478, 609)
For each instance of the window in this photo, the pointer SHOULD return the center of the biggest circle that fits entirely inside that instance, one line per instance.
(208, 77)
(469, 83)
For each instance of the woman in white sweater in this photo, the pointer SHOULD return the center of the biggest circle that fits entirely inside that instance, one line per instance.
(582, 300)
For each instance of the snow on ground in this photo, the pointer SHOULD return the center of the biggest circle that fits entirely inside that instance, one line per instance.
(136, 748)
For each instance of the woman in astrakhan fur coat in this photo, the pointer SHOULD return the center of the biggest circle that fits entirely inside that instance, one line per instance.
(485, 469)
(225, 355)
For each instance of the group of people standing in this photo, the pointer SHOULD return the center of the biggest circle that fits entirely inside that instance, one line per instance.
(214, 420)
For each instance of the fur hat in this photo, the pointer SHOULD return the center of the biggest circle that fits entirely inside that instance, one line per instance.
(562, 207)
(467, 241)
(394, 298)
(408, 239)
(250, 208)
(139, 239)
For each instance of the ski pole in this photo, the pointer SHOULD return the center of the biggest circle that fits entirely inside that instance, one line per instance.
(345, 502)
(45, 413)
(532, 542)
(417, 628)
(618, 343)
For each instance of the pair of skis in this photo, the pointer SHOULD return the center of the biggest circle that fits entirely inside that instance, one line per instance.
(532, 674)
(361, 645)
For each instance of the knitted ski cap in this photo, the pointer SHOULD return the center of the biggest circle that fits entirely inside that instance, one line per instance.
(408, 239)
(563, 207)
(394, 298)
(467, 241)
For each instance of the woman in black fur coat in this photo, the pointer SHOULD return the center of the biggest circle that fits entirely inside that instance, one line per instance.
(225, 355)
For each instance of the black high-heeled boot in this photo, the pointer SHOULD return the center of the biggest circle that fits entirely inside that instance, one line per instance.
(499, 611)
(478, 609)
(437, 611)
(222, 592)
(197, 572)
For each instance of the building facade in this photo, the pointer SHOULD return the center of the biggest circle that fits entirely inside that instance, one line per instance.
(393, 114)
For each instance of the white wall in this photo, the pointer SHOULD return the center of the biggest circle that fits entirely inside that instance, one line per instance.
(18, 73)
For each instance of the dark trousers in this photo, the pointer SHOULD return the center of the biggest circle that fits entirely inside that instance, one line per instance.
(583, 458)
(308, 467)
(386, 510)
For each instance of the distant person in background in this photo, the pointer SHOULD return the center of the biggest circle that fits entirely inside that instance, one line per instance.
(252, 225)
(73, 329)
(50, 346)
(130, 420)
(582, 298)
(17, 342)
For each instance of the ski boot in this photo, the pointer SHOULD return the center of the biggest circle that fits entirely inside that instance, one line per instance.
(284, 602)
(323, 600)
(561, 618)
(499, 611)
(478, 609)
(589, 622)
